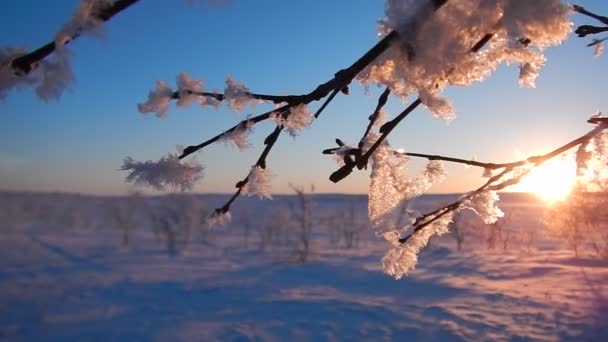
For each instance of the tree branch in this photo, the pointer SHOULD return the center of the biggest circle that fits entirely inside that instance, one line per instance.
(26, 63)
(421, 222)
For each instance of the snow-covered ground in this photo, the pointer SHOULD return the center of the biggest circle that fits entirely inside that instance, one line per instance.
(68, 271)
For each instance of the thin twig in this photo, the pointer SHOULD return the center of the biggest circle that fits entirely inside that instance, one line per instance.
(421, 222)
(582, 10)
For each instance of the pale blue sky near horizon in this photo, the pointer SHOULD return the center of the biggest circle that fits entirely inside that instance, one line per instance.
(77, 144)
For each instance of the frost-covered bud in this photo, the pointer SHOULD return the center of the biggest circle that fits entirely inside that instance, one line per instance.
(239, 135)
(187, 87)
(237, 95)
(485, 205)
(298, 118)
(158, 100)
(219, 217)
(169, 171)
(258, 183)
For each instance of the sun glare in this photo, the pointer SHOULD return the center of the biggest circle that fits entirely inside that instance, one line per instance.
(552, 181)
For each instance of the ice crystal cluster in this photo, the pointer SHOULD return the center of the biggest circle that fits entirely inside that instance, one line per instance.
(298, 118)
(258, 183)
(168, 172)
(189, 90)
(390, 187)
(238, 136)
(434, 48)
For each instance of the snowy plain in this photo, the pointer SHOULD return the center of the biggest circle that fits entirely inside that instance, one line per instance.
(76, 267)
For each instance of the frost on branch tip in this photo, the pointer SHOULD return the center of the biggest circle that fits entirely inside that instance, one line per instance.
(402, 258)
(239, 135)
(158, 100)
(169, 172)
(258, 183)
(237, 95)
(485, 205)
(434, 48)
(219, 218)
(299, 117)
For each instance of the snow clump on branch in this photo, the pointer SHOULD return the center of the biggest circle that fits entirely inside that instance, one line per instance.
(158, 100)
(402, 258)
(298, 118)
(485, 205)
(390, 187)
(239, 135)
(237, 95)
(169, 171)
(435, 48)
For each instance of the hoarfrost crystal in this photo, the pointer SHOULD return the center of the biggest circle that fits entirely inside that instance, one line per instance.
(298, 118)
(239, 135)
(258, 183)
(434, 47)
(485, 205)
(402, 258)
(158, 100)
(169, 171)
(237, 95)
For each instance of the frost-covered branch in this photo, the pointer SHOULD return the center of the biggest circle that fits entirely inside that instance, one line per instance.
(363, 158)
(511, 175)
(48, 67)
(24, 64)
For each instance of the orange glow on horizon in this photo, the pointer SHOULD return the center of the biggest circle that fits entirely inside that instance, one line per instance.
(551, 181)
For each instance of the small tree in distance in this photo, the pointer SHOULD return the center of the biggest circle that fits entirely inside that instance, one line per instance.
(425, 46)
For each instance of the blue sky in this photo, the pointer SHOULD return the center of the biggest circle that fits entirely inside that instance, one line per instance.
(77, 144)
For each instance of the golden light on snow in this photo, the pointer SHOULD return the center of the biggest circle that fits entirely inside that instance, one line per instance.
(551, 181)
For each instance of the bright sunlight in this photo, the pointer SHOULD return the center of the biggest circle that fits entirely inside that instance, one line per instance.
(551, 181)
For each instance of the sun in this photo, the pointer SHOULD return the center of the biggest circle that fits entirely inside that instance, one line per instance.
(551, 181)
